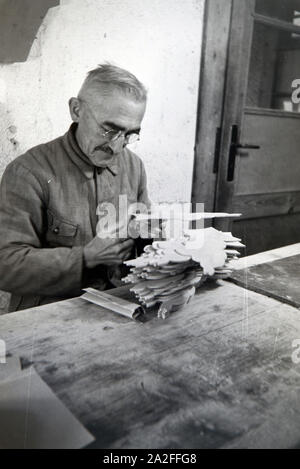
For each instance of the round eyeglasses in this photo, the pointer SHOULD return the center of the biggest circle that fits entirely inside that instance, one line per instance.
(113, 135)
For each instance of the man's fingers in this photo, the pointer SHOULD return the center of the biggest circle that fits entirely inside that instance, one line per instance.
(120, 256)
(116, 251)
(127, 256)
(127, 244)
(126, 249)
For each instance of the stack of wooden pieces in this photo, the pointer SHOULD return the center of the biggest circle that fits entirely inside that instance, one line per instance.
(168, 272)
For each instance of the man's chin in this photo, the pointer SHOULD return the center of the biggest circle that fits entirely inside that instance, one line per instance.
(100, 156)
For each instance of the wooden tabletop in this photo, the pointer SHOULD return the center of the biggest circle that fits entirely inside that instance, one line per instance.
(273, 273)
(218, 373)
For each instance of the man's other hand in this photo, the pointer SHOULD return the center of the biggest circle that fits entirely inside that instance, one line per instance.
(107, 251)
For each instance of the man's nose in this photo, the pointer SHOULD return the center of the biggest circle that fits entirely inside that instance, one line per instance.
(117, 145)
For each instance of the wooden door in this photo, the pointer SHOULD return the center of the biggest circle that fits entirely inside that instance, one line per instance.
(258, 160)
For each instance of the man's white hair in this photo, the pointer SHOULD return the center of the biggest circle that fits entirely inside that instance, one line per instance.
(110, 77)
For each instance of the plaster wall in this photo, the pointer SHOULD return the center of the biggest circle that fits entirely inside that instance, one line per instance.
(158, 40)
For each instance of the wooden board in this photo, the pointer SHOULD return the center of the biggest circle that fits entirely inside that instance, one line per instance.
(207, 377)
(210, 103)
(267, 256)
(278, 279)
(239, 50)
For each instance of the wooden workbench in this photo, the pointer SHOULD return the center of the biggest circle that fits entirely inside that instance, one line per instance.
(274, 273)
(217, 374)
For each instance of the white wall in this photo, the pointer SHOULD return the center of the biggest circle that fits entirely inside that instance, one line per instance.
(158, 40)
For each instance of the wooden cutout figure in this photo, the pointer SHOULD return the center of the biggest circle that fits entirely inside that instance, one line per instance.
(169, 271)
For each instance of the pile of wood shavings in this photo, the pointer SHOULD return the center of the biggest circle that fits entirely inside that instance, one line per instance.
(168, 272)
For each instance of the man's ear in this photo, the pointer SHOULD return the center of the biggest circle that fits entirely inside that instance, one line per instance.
(74, 107)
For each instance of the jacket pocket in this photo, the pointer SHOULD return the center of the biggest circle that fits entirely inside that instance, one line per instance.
(60, 232)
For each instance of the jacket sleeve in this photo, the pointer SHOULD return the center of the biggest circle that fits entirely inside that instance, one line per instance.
(143, 196)
(25, 266)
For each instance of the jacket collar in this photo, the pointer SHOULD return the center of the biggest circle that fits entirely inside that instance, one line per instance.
(81, 160)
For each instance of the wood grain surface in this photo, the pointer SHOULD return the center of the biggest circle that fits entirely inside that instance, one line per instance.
(217, 373)
(278, 279)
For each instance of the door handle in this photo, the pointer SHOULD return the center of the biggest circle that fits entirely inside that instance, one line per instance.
(235, 145)
(248, 146)
(242, 148)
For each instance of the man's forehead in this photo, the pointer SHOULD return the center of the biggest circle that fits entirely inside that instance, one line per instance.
(116, 103)
(100, 94)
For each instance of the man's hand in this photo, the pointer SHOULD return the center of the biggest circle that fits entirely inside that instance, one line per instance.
(107, 251)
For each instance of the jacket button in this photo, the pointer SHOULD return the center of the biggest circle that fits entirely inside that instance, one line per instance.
(56, 230)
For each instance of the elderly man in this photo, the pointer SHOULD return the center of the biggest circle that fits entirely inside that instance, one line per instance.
(49, 248)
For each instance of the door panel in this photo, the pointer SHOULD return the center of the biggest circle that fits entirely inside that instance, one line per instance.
(275, 167)
(211, 91)
(262, 182)
(263, 234)
(266, 205)
(238, 62)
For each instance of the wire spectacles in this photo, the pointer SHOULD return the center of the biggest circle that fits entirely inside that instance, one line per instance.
(113, 135)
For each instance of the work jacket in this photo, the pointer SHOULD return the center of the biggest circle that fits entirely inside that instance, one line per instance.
(48, 203)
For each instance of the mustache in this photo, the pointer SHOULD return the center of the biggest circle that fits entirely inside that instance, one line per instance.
(104, 149)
